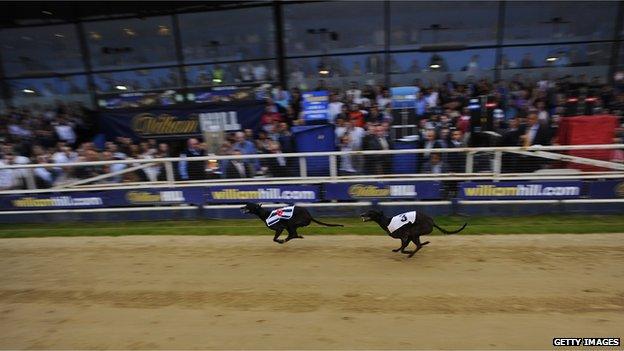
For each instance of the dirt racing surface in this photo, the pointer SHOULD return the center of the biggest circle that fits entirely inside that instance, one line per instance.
(323, 292)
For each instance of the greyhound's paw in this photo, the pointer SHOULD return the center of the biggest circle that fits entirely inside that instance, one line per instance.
(425, 243)
(396, 250)
(279, 241)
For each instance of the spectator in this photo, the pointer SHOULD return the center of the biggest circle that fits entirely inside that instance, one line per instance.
(192, 170)
(377, 140)
(237, 168)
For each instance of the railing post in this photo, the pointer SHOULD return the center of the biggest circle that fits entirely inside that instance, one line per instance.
(469, 161)
(498, 161)
(333, 166)
(303, 167)
(169, 171)
(30, 179)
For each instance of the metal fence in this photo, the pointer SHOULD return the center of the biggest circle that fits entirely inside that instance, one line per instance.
(451, 164)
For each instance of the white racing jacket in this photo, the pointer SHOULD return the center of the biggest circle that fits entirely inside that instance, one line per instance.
(400, 220)
(279, 214)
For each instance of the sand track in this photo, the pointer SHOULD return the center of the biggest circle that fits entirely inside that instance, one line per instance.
(323, 292)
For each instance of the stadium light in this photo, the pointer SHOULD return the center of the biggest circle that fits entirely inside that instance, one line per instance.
(434, 66)
(551, 58)
(28, 91)
(121, 87)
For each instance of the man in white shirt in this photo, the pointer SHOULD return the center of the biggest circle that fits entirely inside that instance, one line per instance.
(65, 132)
(335, 107)
(353, 94)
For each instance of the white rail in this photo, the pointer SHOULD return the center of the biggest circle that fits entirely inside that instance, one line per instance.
(326, 153)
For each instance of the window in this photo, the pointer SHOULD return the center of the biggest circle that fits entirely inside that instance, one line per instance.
(48, 90)
(333, 27)
(551, 21)
(556, 60)
(231, 35)
(37, 50)
(433, 66)
(336, 71)
(417, 24)
(131, 42)
(231, 73)
(137, 80)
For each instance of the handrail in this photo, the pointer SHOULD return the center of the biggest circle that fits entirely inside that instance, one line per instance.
(324, 153)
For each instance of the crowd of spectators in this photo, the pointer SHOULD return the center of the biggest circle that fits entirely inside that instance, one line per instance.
(527, 114)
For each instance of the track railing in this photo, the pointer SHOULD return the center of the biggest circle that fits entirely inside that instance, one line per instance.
(452, 164)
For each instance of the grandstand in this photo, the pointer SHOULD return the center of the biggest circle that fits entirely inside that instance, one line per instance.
(155, 111)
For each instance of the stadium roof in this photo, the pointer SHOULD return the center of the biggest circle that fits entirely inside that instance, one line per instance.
(24, 13)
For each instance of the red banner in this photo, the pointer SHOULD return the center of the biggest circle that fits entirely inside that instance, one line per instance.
(588, 130)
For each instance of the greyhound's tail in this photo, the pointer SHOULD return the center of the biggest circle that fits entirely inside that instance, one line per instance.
(450, 232)
(326, 224)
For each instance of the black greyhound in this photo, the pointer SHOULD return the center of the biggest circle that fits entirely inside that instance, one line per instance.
(407, 226)
(289, 218)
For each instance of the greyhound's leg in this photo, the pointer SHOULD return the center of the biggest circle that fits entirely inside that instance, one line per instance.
(419, 245)
(292, 233)
(404, 243)
(276, 237)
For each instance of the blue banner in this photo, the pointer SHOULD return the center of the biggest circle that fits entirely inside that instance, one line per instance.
(424, 190)
(404, 97)
(259, 193)
(608, 189)
(50, 201)
(521, 190)
(181, 122)
(315, 105)
(155, 196)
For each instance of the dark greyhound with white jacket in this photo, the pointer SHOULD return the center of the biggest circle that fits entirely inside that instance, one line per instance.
(408, 226)
(289, 218)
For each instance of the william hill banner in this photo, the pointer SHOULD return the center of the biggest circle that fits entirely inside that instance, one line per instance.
(424, 190)
(180, 122)
(521, 190)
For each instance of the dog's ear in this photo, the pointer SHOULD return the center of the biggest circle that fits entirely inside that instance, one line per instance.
(259, 205)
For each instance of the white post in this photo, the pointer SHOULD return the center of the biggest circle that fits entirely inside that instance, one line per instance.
(469, 161)
(333, 166)
(169, 172)
(498, 161)
(303, 167)
(30, 179)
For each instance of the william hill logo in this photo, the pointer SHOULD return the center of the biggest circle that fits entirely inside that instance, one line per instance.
(370, 191)
(619, 190)
(147, 123)
(144, 197)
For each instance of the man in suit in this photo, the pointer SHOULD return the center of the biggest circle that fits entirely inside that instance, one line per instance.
(237, 168)
(456, 160)
(278, 166)
(511, 137)
(192, 170)
(536, 133)
(377, 140)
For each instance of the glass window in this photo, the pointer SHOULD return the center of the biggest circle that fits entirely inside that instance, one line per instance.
(550, 21)
(231, 73)
(131, 42)
(48, 90)
(556, 60)
(231, 35)
(333, 27)
(416, 24)
(137, 80)
(335, 71)
(51, 49)
(431, 67)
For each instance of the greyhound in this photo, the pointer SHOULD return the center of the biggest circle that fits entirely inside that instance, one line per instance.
(289, 218)
(408, 226)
